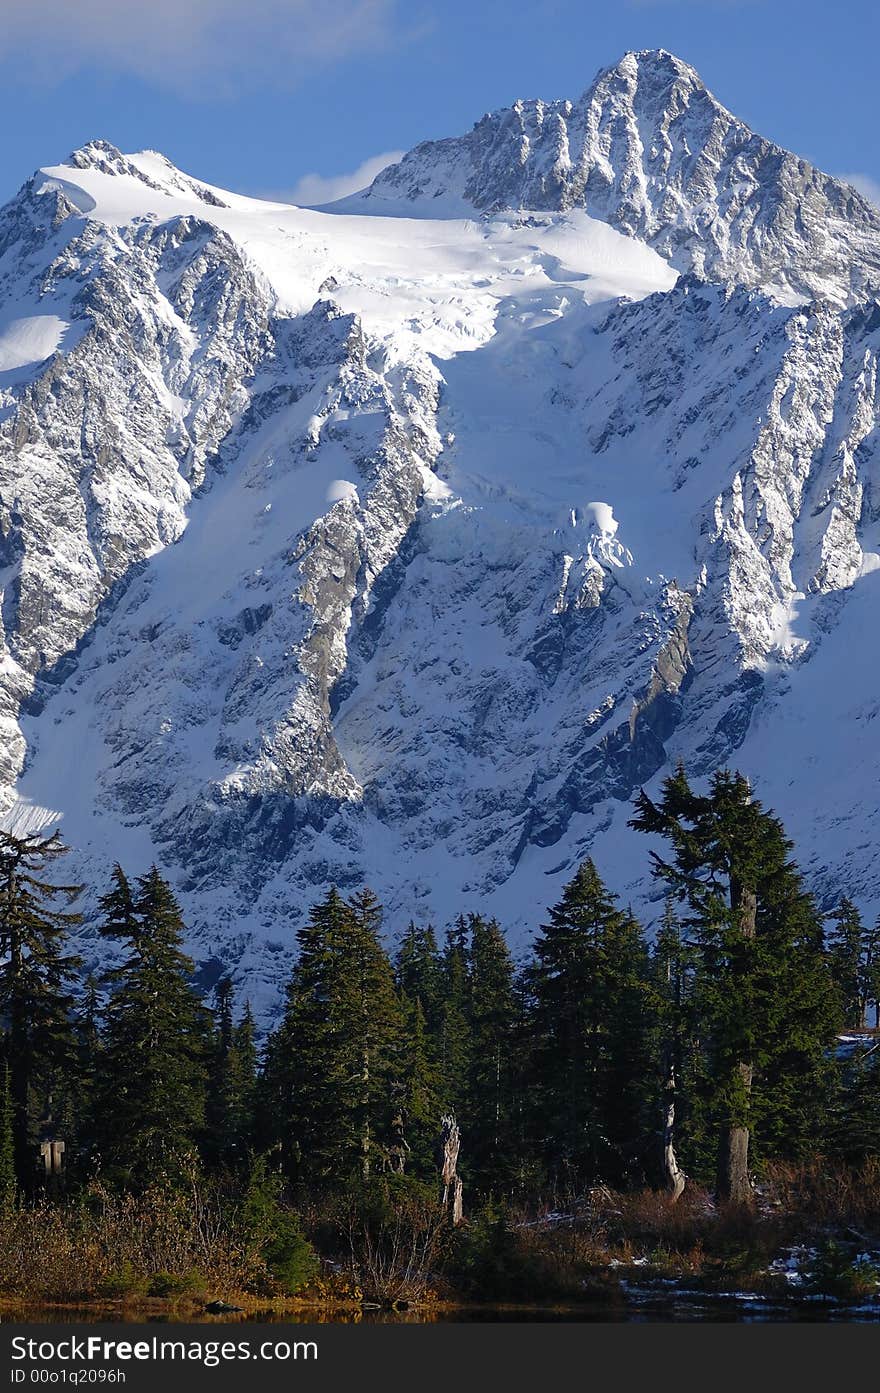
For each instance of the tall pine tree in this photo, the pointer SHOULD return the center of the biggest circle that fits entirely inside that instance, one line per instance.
(330, 1074)
(454, 1033)
(35, 973)
(7, 1149)
(589, 1030)
(764, 993)
(418, 971)
(845, 941)
(489, 1117)
(149, 1096)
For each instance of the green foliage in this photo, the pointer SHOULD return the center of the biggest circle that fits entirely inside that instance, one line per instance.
(330, 1067)
(7, 1152)
(418, 972)
(834, 1270)
(844, 947)
(170, 1284)
(765, 1008)
(589, 1028)
(490, 1110)
(455, 1045)
(275, 1230)
(416, 1095)
(149, 1097)
(35, 973)
(123, 1281)
(231, 1082)
(854, 1122)
(498, 1259)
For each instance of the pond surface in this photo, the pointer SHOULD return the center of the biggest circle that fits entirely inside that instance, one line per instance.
(635, 1308)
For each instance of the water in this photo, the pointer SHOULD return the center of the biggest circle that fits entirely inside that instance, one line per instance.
(635, 1308)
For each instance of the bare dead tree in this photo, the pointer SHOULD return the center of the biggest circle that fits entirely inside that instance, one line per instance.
(447, 1160)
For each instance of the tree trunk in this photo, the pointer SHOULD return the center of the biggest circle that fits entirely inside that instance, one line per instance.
(19, 1056)
(673, 1174)
(733, 1185)
(447, 1160)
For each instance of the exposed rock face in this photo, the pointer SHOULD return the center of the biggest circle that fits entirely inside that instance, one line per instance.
(338, 549)
(648, 149)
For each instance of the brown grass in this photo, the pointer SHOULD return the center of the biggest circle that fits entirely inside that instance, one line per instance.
(123, 1246)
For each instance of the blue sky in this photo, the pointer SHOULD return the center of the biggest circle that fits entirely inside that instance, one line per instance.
(256, 94)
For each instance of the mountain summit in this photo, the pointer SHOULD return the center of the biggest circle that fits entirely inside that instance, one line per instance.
(401, 542)
(648, 149)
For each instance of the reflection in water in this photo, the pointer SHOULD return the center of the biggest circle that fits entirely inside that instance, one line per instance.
(644, 1309)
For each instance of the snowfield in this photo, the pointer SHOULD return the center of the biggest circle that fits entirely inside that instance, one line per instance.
(399, 542)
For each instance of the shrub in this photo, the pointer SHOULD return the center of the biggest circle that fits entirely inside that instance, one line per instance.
(833, 1271)
(177, 1284)
(122, 1281)
(276, 1232)
(392, 1236)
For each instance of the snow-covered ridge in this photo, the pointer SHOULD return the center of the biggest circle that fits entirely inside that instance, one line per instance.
(648, 149)
(345, 548)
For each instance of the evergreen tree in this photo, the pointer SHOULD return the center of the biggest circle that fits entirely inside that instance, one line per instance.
(78, 1086)
(854, 1128)
(764, 993)
(7, 1148)
(330, 1067)
(373, 1021)
(220, 1101)
(589, 1027)
(150, 1093)
(244, 1077)
(35, 972)
(870, 973)
(119, 917)
(845, 946)
(455, 1046)
(417, 1097)
(418, 972)
(489, 1116)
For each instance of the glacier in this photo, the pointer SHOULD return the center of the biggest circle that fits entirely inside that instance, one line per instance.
(401, 541)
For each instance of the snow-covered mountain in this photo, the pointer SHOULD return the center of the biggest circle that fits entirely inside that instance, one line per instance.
(400, 542)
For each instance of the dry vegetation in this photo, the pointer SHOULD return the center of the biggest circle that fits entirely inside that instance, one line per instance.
(188, 1245)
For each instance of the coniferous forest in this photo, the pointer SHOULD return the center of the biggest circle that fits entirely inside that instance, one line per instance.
(439, 1119)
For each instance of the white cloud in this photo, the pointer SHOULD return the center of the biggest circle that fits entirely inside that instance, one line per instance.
(869, 188)
(185, 43)
(313, 189)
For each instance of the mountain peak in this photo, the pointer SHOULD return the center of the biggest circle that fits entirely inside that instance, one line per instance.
(98, 154)
(649, 149)
(149, 167)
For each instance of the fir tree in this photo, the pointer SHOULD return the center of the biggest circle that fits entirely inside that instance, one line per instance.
(7, 1148)
(589, 1030)
(330, 1067)
(418, 1106)
(244, 1077)
(854, 1127)
(372, 1019)
(455, 1046)
(150, 1093)
(418, 971)
(79, 1085)
(35, 972)
(870, 973)
(220, 1103)
(489, 1115)
(117, 909)
(845, 946)
(763, 989)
